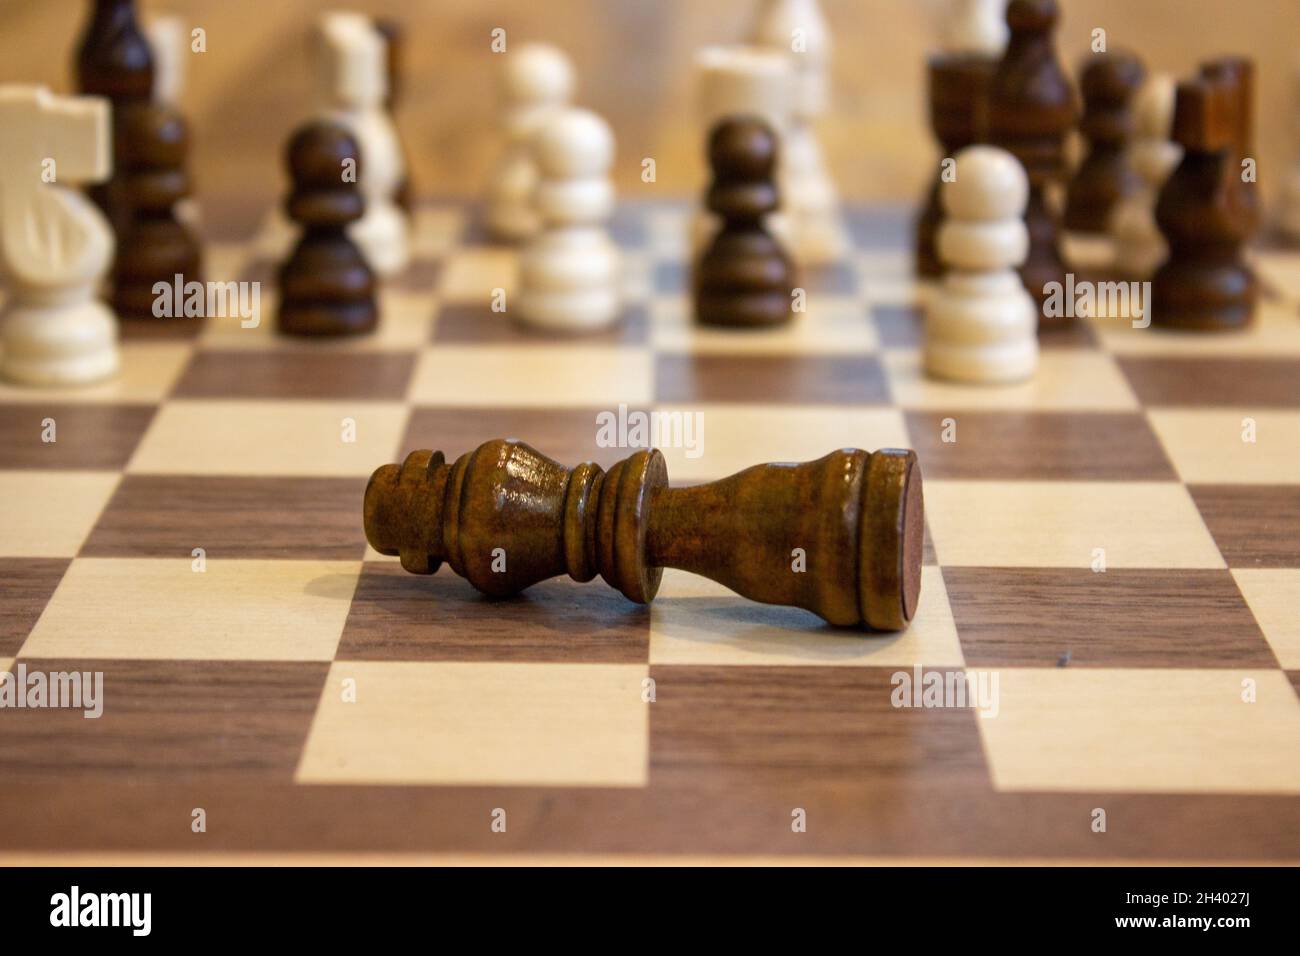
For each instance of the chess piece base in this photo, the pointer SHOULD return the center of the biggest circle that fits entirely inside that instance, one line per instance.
(73, 344)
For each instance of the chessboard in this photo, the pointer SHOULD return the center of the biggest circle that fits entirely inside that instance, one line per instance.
(1112, 547)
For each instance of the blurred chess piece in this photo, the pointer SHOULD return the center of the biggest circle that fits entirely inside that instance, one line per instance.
(569, 272)
(169, 42)
(1106, 177)
(975, 35)
(977, 28)
(154, 243)
(742, 81)
(55, 246)
(394, 34)
(981, 325)
(1140, 247)
(114, 61)
(536, 82)
(1290, 217)
(744, 277)
(353, 89)
(1206, 211)
(798, 30)
(326, 286)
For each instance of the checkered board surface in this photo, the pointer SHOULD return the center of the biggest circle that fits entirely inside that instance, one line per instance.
(1119, 690)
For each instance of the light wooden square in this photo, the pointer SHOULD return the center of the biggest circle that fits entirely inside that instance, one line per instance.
(584, 376)
(1143, 730)
(1041, 524)
(738, 436)
(147, 373)
(1067, 379)
(270, 438)
(833, 325)
(1279, 268)
(47, 514)
(161, 609)
(480, 724)
(696, 621)
(1206, 446)
(436, 230)
(470, 275)
(1275, 333)
(1274, 598)
(6, 664)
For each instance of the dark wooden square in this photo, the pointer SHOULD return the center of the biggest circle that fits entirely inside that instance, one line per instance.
(770, 379)
(398, 616)
(167, 516)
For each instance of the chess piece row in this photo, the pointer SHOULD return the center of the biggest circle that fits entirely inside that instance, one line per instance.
(1159, 195)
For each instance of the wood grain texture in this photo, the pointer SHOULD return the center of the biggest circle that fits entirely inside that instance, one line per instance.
(28, 584)
(170, 720)
(299, 375)
(1255, 526)
(1039, 446)
(1016, 617)
(161, 516)
(1234, 382)
(727, 726)
(396, 616)
(873, 816)
(796, 379)
(86, 436)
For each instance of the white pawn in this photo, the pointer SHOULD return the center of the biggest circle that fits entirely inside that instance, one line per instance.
(569, 272)
(978, 27)
(537, 81)
(981, 326)
(55, 246)
(1140, 247)
(353, 87)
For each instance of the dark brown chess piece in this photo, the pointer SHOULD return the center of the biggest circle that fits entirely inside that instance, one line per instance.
(114, 61)
(394, 34)
(1109, 83)
(1031, 111)
(958, 94)
(744, 277)
(326, 287)
(154, 246)
(505, 517)
(1205, 210)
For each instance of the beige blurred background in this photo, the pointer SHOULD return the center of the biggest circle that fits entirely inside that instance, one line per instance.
(633, 59)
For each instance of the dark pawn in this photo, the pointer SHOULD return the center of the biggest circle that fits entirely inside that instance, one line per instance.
(1206, 212)
(153, 245)
(744, 278)
(1031, 111)
(114, 61)
(326, 287)
(1108, 83)
(958, 93)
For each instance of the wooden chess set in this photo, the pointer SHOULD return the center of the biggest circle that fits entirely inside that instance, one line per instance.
(260, 526)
